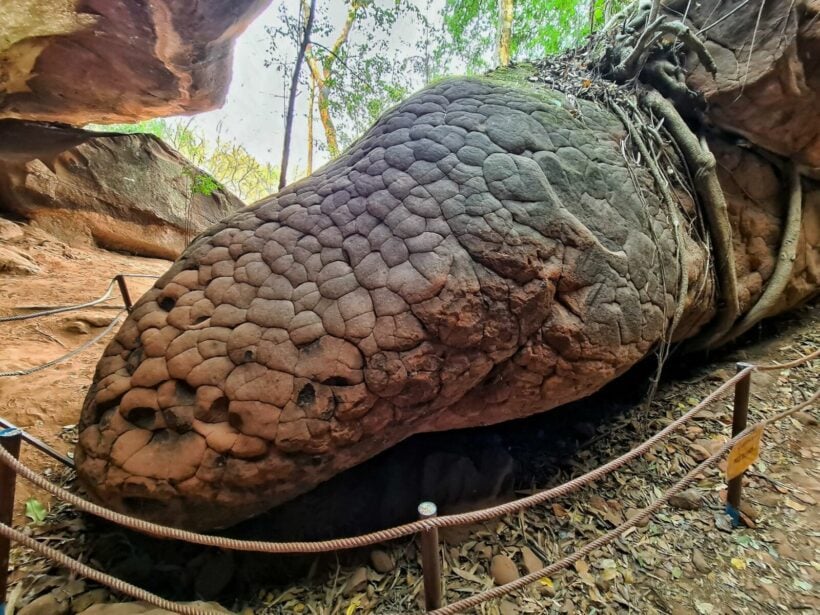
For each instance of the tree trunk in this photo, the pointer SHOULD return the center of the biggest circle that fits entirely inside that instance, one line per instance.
(294, 84)
(505, 19)
(327, 121)
(311, 103)
(322, 73)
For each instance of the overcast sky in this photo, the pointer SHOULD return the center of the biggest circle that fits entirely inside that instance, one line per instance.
(252, 114)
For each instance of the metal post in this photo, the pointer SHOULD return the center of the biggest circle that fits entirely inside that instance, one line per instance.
(39, 445)
(739, 416)
(126, 296)
(430, 561)
(9, 440)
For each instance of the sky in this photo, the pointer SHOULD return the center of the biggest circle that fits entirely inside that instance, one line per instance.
(253, 111)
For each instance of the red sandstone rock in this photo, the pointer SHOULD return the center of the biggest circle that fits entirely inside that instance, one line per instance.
(127, 192)
(82, 61)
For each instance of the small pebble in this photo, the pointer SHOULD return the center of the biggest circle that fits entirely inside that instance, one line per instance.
(686, 500)
(700, 563)
(503, 570)
(381, 561)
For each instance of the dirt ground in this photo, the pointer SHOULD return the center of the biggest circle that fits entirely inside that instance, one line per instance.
(47, 403)
(686, 560)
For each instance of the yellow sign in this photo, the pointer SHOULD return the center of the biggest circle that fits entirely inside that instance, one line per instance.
(744, 453)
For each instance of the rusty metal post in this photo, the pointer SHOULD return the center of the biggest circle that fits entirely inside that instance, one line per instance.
(430, 560)
(739, 417)
(9, 440)
(39, 445)
(126, 296)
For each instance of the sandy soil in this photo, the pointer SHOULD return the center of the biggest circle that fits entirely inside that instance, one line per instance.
(47, 403)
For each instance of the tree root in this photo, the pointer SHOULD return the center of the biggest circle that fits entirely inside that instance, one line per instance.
(764, 307)
(671, 210)
(629, 67)
(702, 162)
(642, 50)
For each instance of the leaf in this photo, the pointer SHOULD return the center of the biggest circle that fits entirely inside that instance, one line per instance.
(547, 582)
(581, 566)
(35, 511)
(354, 604)
(677, 572)
(738, 563)
(467, 576)
(795, 505)
(801, 584)
(609, 574)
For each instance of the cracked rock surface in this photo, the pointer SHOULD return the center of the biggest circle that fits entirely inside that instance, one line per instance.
(485, 252)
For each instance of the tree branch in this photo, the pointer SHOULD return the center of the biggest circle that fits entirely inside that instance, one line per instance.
(294, 83)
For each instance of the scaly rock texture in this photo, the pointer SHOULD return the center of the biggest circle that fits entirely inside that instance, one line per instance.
(767, 86)
(82, 61)
(493, 247)
(486, 251)
(127, 192)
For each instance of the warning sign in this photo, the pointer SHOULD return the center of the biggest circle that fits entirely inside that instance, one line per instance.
(744, 453)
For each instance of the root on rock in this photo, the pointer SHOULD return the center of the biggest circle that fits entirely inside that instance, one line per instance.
(764, 307)
(702, 163)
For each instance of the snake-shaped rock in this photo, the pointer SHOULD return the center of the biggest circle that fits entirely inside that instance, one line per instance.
(488, 250)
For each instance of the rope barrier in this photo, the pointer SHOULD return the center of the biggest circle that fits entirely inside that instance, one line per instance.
(68, 308)
(790, 364)
(403, 530)
(68, 355)
(502, 590)
(100, 577)
(794, 409)
(644, 515)
(79, 306)
(380, 536)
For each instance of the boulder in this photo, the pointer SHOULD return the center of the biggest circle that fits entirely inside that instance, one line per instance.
(81, 61)
(767, 85)
(126, 192)
(14, 262)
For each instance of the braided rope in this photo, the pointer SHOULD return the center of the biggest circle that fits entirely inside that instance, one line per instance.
(503, 590)
(100, 577)
(790, 364)
(644, 515)
(389, 534)
(79, 306)
(68, 308)
(380, 536)
(68, 355)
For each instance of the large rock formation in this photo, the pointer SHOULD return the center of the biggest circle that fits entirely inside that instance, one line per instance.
(81, 61)
(491, 248)
(767, 86)
(127, 192)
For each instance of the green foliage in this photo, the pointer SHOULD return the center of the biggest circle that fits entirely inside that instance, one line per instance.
(228, 164)
(367, 75)
(35, 511)
(362, 92)
(472, 30)
(202, 183)
(156, 127)
(540, 28)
